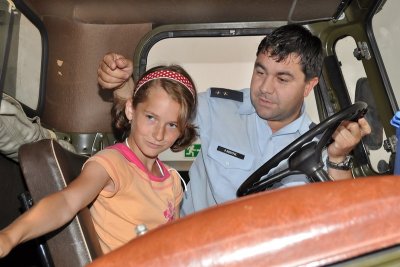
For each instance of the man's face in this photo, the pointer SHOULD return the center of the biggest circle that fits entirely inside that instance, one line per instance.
(278, 89)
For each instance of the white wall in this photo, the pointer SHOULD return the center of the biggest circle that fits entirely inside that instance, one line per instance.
(29, 63)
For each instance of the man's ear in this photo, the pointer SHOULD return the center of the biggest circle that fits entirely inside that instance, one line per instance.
(310, 85)
(129, 111)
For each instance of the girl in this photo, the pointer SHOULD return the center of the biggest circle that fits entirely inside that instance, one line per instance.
(125, 184)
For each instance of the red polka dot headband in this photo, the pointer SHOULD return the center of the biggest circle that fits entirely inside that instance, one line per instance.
(166, 74)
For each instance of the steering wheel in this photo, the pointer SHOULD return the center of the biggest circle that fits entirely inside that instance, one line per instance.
(303, 155)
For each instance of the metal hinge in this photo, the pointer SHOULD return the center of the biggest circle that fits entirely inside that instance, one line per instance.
(390, 144)
(362, 51)
(87, 144)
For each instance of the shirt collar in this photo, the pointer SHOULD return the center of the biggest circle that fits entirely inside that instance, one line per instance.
(294, 126)
(246, 108)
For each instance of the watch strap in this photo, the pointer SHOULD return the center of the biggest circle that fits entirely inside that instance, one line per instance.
(345, 165)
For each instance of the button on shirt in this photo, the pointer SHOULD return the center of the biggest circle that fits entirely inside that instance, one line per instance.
(235, 142)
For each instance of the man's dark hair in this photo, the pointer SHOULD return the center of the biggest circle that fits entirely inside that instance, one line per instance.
(293, 38)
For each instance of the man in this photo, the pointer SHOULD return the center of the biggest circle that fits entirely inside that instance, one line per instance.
(241, 130)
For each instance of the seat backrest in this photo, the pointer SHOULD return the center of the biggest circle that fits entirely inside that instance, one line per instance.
(47, 167)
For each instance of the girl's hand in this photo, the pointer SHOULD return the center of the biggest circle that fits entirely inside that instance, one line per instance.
(5, 244)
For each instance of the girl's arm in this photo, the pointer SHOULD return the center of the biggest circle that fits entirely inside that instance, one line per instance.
(56, 209)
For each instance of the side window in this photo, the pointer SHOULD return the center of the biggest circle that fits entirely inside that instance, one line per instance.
(225, 62)
(385, 25)
(21, 58)
(6, 18)
(359, 90)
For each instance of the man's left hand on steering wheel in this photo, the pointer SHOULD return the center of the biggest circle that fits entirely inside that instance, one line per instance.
(347, 135)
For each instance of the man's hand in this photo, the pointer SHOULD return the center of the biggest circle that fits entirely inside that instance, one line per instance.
(114, 71)
(346, 137)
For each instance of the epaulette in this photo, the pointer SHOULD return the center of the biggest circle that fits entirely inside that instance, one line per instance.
(227, 94)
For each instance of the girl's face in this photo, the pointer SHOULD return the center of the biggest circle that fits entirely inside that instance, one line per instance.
(154, 126)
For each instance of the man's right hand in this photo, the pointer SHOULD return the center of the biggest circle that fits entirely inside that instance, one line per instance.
(114, 71)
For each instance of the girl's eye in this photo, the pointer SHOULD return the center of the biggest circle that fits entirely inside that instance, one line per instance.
(150, 117)
(173, 125)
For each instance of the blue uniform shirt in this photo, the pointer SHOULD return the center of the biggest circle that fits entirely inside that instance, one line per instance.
(235, 142)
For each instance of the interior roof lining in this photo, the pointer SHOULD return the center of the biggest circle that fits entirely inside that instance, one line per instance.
(186, 11)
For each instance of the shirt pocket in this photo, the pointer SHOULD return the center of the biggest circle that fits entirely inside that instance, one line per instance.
(230, 157)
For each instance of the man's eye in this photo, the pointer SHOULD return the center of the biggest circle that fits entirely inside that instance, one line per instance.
(260, 72)
(282, 80)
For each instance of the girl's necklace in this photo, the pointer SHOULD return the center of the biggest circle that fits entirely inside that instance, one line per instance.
(158, 164)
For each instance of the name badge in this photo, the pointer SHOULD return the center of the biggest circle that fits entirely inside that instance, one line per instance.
(230, 152)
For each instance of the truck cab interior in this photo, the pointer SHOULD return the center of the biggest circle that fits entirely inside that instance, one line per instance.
(49, 55)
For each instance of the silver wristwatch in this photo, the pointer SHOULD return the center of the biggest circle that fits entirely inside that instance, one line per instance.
(345, 165)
